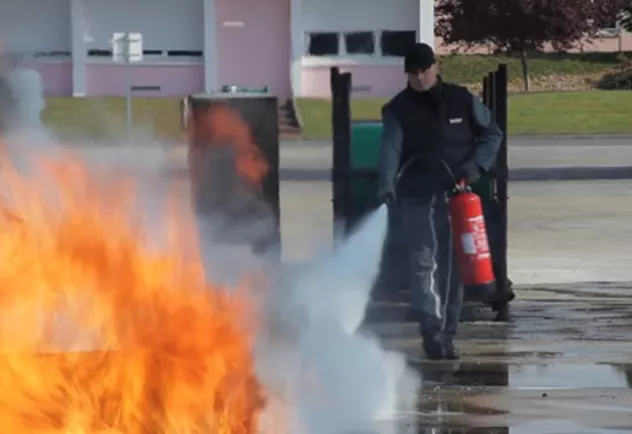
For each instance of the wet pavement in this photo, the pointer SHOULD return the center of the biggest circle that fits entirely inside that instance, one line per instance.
(473, 397)
(560, 365)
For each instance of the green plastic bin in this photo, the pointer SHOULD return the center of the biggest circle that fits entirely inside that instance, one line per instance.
(365, 156)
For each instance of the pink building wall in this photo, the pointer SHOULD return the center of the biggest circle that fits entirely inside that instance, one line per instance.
(253, 44)
(369, 81)
(623, 42)
(173, 80)
(56, 76)
(606, 44)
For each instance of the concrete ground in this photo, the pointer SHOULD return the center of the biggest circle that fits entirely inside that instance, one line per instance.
(559, 364)
(559, 231)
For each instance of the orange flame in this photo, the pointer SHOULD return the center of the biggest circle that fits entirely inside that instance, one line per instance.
(101, 331)
(220, 125)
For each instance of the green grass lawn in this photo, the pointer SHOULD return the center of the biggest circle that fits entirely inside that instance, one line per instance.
(589, 112)
(104, 118)
(592, 112)
(469, 69)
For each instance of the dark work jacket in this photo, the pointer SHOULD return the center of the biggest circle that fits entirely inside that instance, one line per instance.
(447, 123)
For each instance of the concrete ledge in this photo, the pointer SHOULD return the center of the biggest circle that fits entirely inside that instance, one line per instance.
(570, 173)
(519, 174)
(528, 139)
(553, 137)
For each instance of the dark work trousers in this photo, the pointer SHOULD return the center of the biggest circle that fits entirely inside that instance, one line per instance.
(437, 293)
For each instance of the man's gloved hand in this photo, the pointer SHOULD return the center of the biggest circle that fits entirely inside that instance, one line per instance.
(386, 196)
(470, 172)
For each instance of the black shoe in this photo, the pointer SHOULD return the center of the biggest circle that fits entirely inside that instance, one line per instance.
(434, 347)
(451, 353)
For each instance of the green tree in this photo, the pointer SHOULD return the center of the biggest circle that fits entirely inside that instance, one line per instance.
(522, 26)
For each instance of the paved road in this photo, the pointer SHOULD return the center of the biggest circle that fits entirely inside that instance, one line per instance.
(560, 231)
(529, 159)
(544, 367)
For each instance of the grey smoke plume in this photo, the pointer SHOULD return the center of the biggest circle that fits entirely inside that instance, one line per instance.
(335, 378)
(21, 106)
(324, 375)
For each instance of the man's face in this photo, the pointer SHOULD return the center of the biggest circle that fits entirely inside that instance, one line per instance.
(423, 80)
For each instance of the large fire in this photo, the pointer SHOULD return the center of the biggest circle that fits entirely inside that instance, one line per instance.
(102, 330)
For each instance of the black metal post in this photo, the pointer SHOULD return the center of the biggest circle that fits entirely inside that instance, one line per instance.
(341, 149)
(491, 92)
(502, 167)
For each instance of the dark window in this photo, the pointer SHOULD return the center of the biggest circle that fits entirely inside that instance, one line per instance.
(395, 43)
(53, 54)
(184, 53)
(99, 53)
(323, 44)
(360, 43)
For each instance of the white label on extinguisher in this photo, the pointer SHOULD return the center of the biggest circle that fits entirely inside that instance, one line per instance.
(468, 241)
(477, 226)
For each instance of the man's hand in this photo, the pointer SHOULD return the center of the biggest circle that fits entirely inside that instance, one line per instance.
(470, 172)
(386, 197)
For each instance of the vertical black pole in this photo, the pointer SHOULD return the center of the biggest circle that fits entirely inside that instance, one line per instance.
(485, 95)
(337, 202)
(501, 97)
(341, 142)
(491, 92)
(345, 136)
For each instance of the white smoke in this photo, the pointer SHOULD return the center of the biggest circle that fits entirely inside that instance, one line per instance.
(324, 375)
(22, 103)
(336, 378)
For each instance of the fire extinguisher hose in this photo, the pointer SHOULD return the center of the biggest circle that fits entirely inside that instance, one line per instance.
(457, 185)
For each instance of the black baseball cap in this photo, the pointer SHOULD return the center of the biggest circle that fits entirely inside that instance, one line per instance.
(419, 57)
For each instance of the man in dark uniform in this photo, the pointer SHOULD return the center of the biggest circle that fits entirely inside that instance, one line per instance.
(452, 128)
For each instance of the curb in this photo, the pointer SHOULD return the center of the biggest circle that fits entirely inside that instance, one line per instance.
(524, 137)
(518, 174)
(571, 174)
(534, 137)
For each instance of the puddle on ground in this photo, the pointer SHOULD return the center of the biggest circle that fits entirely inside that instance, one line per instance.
(560, 427)
(539, 427)
(441, 410)
(524, 377)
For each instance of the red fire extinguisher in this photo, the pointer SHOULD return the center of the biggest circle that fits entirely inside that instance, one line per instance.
(469, 232)
(470, 238)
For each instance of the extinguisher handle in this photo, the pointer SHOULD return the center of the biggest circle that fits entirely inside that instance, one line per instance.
(462, 186)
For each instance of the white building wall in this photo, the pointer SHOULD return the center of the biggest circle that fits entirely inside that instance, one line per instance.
(79, 53)
(35, 26)
(363, 15)
(165, 24)
(343, 16)
(353, 15)
(426, 20)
